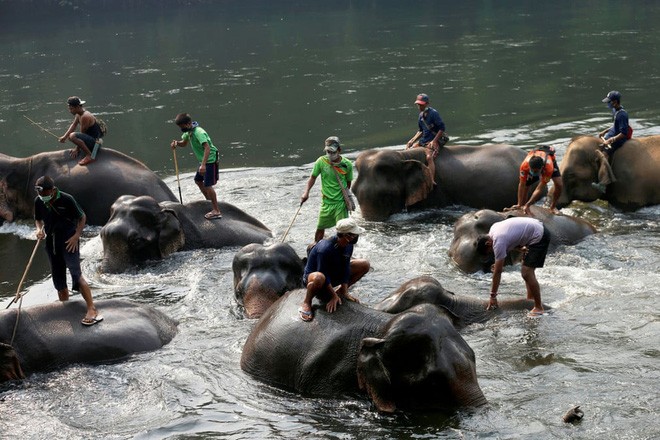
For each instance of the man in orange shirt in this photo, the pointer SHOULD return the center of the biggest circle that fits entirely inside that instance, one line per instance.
(539, 165)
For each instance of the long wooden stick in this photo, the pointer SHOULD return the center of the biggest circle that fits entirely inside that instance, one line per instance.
(176, 169)
(292, 220)
(47, 131)
(27, 268)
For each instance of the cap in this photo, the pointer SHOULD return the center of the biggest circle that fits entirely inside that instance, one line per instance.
(74, 101)
(348, 226)
(332, 144)
(612, 96)
(422, 98)
(44, 182)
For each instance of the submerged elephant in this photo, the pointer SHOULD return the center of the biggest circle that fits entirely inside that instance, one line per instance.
(141, 229)
(390, 181)
(564, 230)
(464, 310)
(95, 187)
(264, 273)
(412, 360)
(50, 336)
(635, 166)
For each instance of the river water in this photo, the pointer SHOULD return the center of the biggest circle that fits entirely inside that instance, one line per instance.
(270, 81)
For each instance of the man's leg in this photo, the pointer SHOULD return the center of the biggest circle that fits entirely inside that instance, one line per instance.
(86, 293)
(72, 260)
(80, 144)
(63, 294)
(533, 287)
(315, 284)
(318, 235)
(359, 268)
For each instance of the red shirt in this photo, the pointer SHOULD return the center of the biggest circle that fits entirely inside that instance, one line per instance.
(546, 171)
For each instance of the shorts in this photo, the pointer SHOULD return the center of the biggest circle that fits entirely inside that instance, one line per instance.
(87, 139)
(535, 256)
(211, 176)
(331, 213)
(59, 262)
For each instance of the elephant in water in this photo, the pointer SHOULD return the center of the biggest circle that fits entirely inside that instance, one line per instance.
(264, 273)
(564, 230)
(411, 360)
(50, 336)
(390, 181)
(141, 229)
(464, 310)
(95, 187)
(635, 166)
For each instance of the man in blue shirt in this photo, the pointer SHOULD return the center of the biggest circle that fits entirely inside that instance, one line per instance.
(329, 271)
(431, 133)
(613, 137)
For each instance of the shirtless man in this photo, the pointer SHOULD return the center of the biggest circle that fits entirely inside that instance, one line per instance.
(89, 134)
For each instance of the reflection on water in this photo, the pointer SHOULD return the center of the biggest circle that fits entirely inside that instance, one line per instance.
(270, 83)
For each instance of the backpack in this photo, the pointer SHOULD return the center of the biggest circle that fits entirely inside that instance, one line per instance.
(630, 132)
(102, 126)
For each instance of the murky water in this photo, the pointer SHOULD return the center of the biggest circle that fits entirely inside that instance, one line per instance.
(270, 84)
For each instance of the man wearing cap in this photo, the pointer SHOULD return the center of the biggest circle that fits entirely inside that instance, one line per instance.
(60, 220)
(613, 137)
(523, 233)
(336, 176)
(330, 271)
(89, 134)
(431, 132)
(539, 166)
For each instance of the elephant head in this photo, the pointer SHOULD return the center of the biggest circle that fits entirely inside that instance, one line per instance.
(463, 248)
(10, 368)
(389, 181)
(580, 167)
(420, 361)
(16, 189)
(139, 229)
(264, 273)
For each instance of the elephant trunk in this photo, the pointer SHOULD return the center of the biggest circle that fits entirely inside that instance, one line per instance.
(10, 368)
(258, 292)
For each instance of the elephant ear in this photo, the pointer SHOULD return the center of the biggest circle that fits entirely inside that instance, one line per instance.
(10, 368)
(171, 237)
(418, 181)
(373, 376)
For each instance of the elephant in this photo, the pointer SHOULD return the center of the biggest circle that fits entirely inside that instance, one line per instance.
(264, 273)
(564, 230)
(50, 336)
(464, 310)
(390, 181)
(94, 187)
(635, 167)
(141, 229)
(415, 359)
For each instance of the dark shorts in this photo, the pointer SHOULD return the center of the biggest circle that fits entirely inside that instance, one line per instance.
(87, 139)
(535, 256)
(60, 260)
(211, 176)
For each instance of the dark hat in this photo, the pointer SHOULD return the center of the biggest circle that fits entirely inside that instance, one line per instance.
(44, 182)
(74, 101)
(612, 96)
(422, 98)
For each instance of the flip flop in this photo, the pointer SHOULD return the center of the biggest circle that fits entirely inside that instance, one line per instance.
(211, 216)
(305, 315)
(92, 321)
(536, 314)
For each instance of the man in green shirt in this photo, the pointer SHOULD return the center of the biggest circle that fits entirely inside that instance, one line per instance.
(336, 175)
(208, 173)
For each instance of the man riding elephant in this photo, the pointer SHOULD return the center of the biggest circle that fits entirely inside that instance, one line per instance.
(635, 166)
(95, 188)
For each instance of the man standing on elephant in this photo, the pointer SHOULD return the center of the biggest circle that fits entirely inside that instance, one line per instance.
(329, 271)
(613, 137)
(90, 131)
(517, 232)
(336, 176)
(60, 220)
(431, 131)
(208, 173)
(539, 166)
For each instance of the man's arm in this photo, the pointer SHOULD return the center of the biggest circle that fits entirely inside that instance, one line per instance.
(536, 195)
(522, 192)
(495, 283)
(71, 129)
(40, 229)
(207, 152)
(72, 242)
(310, 184)
(413, 139)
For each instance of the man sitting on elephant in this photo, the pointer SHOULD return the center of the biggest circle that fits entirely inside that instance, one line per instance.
(539, 165)
(90, 132)
(613, 137)
(507, 235)
(431, 134)
(329, 265)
